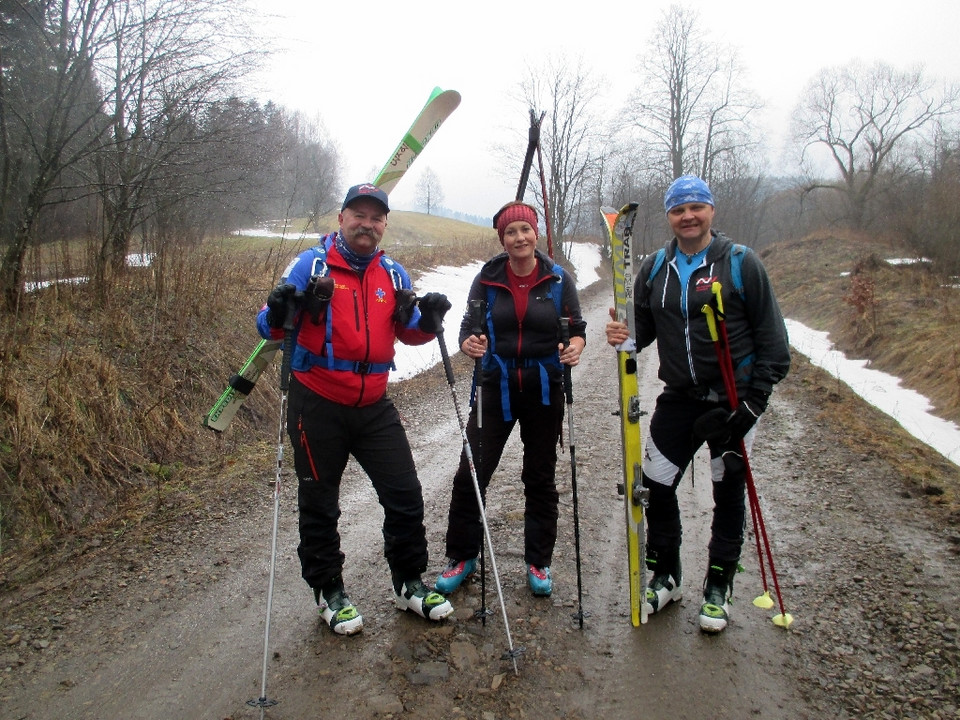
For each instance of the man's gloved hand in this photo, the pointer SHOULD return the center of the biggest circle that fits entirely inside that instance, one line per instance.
(747, 413)
(405, 300)
(317, 296)
(433, 306)
(279, 302)
(722, 426)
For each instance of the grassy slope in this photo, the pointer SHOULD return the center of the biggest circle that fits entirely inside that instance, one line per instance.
(100, 410)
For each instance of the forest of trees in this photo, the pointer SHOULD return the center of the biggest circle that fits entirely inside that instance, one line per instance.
(123, 123)
(878, 146)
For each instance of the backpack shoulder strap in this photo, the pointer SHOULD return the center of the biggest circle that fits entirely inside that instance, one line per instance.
(736, 262)
(557, 292)
(657, 264)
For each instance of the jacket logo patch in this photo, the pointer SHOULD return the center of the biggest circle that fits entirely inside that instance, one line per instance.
(381, 295)
(705, 284)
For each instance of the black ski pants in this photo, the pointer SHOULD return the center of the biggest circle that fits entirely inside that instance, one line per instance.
(670, 447)
(323, 434)
(540, 427)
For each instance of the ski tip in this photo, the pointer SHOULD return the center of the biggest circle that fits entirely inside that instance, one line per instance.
(783, 620)
(451, 96)
(764, 601)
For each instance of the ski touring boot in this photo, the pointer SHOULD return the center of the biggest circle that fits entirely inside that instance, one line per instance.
(415, 596)
(717, 596)
(541, 584)
(663, 587)
(454, 574)
(337, 610)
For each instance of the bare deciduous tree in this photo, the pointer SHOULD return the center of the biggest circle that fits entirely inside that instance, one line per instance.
(429, 193)
(571, 139)
(50, 116)
(864, 117)
(691, 109)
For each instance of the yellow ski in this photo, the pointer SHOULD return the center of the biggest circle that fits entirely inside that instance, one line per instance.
(620, 228)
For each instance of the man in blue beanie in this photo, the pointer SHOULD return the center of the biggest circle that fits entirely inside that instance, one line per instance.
(671, 288)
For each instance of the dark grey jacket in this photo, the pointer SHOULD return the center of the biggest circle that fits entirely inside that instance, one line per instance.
(688, 360)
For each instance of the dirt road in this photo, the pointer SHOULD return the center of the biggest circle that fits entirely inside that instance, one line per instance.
(166, 620)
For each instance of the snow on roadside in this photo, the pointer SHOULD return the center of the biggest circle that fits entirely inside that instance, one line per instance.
(909, 408)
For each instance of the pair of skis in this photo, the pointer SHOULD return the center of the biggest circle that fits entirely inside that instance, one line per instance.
(438, 108)
(636, 497)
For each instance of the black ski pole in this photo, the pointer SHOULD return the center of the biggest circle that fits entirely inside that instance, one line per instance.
(476, 327)
(568, 390)
(533, 142)
(262, 702)
(511, 653)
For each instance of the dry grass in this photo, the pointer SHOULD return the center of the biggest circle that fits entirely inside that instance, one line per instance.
(908, 328)
(101, 407)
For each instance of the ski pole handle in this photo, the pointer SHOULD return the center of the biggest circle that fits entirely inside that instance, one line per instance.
(565, 341)
(477, 310)
(288, 326)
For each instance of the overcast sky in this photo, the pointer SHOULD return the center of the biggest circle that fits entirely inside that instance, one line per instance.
(365, 69)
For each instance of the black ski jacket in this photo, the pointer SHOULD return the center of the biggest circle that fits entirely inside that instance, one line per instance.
(526, 347)
(688, 362)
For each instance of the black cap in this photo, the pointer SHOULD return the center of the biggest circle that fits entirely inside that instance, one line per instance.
(366, 190)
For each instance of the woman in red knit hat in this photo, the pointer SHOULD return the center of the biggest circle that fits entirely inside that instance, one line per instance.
(523, 294)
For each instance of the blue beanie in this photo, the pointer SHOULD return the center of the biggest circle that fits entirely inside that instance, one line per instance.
(687, 189)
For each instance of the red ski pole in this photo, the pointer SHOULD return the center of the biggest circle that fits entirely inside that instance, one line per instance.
(716, 324)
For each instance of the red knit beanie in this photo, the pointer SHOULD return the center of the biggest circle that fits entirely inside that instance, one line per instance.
(511, 212)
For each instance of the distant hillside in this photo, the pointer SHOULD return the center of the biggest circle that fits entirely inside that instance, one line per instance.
(901, 317)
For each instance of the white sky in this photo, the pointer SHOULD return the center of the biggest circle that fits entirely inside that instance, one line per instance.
(909, 408)
(365, 69)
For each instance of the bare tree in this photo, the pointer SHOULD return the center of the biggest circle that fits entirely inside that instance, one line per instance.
(864, 118)
(50, 116)
(166, 62)
(571, 138)
(691, 109)
(429, 193)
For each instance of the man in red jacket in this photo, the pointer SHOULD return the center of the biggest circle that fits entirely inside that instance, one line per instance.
(351, 303)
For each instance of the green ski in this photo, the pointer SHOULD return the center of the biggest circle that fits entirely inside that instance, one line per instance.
(438, 108)
(635, 495)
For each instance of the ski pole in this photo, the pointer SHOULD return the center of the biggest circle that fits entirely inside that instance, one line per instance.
(262, 702)
(533, 141)
(716, 324)
(568, 390)
(546, 206)
(730, 387)
(476, 328)
(512, 653)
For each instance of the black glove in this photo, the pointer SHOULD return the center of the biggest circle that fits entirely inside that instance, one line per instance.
(722, 426)
(405, 300)
(433, 306)
(317, 296)
(747, 413)
(279, 302)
